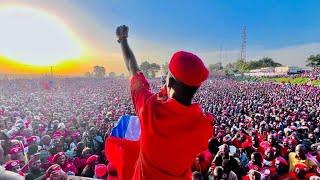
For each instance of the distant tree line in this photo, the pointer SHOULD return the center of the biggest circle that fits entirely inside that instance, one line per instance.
(241, 66)
(313, 61)
(151, 70)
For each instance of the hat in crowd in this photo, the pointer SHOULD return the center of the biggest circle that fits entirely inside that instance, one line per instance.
(57, 135)
(51, 169)
(301, 166)
(188, 68)
(11, 164)
(92, 159)
(41, 129)
(101, 170)
(263, 123)
(75, 135)
(227, 138)
(31, 140)
(15, 150)
(61, 126)
(56, 156)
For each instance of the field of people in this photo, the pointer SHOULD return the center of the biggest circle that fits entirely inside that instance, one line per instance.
(263, 128)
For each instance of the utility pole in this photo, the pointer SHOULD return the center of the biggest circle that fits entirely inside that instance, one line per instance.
(243, 43)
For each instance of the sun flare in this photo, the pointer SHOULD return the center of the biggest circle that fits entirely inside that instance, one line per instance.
(34, 37)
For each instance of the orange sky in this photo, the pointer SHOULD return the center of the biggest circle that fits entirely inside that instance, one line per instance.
(69, 67)
(22, 51)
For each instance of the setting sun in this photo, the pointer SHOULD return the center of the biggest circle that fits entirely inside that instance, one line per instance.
(34, 37)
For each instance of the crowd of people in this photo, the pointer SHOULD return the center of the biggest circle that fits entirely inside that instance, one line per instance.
(261, 130)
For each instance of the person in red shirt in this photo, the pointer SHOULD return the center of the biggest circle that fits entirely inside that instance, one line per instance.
(68, 167)
(173, 129)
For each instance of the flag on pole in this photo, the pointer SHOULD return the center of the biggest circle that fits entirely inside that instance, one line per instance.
(122, 146)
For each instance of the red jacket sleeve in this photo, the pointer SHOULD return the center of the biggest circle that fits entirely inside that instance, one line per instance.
(140, 91)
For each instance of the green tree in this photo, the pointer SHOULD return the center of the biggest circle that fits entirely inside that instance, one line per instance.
(164, 68)
(144, 67)
(148, 69)
(112, 74)
(87, 74)
(268, 62)
(215, 67)
(229, 69)
(154, 68)
(99, 71)
(313, 61)
(241, 66)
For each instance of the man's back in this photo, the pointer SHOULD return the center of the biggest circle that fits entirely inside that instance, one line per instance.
(171, 134)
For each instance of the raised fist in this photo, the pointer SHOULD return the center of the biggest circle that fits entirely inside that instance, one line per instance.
(122, 32)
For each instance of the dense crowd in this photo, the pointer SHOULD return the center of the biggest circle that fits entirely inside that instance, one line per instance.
(57, 130)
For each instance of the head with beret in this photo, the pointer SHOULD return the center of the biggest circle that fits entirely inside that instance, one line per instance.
(55, 172)
(93, 159)
(31, 140)
(301, 170)
(59, 158)
(186, 73)
(12, 165)
(16, 153)
(101, 171)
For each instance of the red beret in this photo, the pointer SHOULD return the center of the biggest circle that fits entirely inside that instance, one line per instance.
(300, 166)
(15, 150)
(75, 135)
(101, 170)
(11, 164)
(56, 156)
(92, 159)
(188, 68)
(57, 135)
(41, 129)
(51, 169)
(31, 140)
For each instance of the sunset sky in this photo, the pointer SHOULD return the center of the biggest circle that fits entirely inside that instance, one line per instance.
(74, 35)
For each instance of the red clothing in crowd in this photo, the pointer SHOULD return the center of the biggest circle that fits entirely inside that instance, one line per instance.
(263, 146)
(69, 167)
(245, 144)
(80, 163)
(171, 134)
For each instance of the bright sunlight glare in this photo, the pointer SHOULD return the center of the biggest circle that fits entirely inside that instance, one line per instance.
(34, 37)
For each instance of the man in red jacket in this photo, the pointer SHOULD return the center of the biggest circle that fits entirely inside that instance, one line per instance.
(173, 129)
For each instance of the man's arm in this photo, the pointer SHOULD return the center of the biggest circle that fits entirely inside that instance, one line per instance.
(129, 58)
